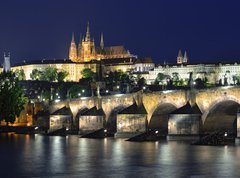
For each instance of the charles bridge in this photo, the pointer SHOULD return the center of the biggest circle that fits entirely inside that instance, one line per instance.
(219, 106)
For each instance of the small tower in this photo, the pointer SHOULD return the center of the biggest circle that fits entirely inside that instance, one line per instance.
(102, 42)
(185, 58)
(88, 37)
(179, 57)
(80, 48)
(6, 64)
(88, 47)
(73, 50)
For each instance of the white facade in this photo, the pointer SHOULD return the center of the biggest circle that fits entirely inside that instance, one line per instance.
(143, 67)
(215, 73)
(6, 64)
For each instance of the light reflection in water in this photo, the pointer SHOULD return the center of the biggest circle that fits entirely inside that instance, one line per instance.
(39, 156)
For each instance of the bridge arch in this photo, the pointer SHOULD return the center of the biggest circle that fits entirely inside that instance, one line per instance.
(159, 118)
(221, 115)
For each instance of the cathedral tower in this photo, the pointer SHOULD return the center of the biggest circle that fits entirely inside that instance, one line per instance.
(73, 50)
(185, 58)
(79, 48)
(88, 47)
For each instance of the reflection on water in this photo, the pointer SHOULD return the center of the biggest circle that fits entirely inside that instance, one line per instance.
(39, 156)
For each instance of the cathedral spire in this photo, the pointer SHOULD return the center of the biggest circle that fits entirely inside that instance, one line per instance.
(73, 50)
(179, 53)
(73, 40)
(185, 57)
(80, 47)
(88, 38)
(179, 57)
(102, 42)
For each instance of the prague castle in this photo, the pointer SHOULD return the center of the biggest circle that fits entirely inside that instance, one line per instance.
(87, 51)
(117, 58)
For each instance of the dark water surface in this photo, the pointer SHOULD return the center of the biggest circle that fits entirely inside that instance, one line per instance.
(40, 156)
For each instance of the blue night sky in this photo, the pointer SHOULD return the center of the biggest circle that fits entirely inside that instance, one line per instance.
(208, 29)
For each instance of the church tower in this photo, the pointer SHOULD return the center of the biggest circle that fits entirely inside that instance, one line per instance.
(79, 48)
(179, 57)
(6, 64)
(88, 51)
(102, 42)
(73, 50)
(185, 58)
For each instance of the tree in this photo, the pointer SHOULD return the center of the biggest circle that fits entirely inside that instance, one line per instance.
(50, 74)
(36, 74)
(88, 73)
(160, 78)
(12, 99)
(20, 74)
(61, 76)
(141, 82)
(75, 91)
(175, 78)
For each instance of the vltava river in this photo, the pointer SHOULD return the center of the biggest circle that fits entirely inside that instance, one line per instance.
(41, 156)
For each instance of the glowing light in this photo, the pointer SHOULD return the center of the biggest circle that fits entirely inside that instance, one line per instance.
(36, 128)
(156, 132)
(167, 91)
(67, 129)
(118, 86)
(79, 94)
(225, 134)
(105, 130)
(83, 91)
(57, 100)
(226, 87)
(144, 88)
(119, 94)
(107, 91)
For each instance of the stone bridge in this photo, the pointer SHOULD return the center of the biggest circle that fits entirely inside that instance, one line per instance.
(218, 105)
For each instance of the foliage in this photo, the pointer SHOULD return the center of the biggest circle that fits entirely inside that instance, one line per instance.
(75, 90)
(160, 78)
(36, 74)
(20, 74)
(141, 82)
(88, 73)
(175, 78)
(12, 99)
(119, 79)
(49, 74)
(61, 76)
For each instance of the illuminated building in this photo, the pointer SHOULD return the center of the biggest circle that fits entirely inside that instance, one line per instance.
(73, 69)
(214, 73)
(87, 50)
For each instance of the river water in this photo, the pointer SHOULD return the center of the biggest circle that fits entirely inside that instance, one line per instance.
(41, 156)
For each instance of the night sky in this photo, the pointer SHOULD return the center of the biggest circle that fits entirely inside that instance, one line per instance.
(208, 29)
